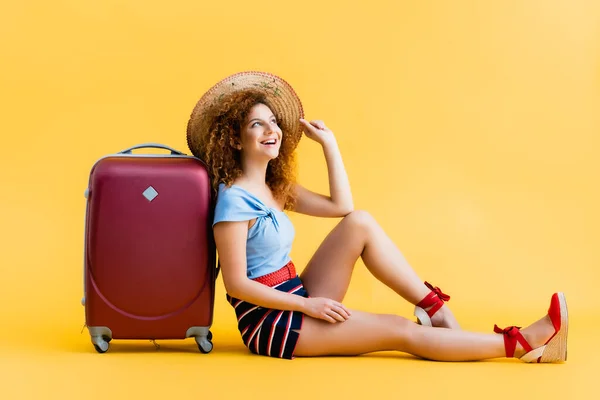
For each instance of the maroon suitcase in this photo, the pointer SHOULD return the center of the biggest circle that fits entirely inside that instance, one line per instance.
(149, 253)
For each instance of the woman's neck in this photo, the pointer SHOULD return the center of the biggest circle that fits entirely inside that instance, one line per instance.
(254, 174)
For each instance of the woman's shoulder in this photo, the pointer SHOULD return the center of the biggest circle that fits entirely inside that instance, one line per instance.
(236, 198)
(229, 194)
(235, 204)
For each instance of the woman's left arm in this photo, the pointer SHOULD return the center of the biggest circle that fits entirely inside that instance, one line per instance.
(339, 203)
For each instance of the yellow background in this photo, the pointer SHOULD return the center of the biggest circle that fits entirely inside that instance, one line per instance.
(469, 129)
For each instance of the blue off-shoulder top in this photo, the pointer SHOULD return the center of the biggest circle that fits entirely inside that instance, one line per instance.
(269, 240)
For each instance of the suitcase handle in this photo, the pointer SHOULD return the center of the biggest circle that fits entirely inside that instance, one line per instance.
(152, 145)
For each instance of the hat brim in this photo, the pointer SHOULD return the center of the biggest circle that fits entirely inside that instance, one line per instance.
(284, 101)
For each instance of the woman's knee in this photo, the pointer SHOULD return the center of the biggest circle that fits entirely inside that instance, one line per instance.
(404, 327)
(396, 331)
(360, 218)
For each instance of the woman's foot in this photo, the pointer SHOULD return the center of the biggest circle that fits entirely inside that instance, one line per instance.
(543, 341)
(536, 334)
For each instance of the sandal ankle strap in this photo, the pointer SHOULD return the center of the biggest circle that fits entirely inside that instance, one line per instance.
(512, 335)
(435, 298)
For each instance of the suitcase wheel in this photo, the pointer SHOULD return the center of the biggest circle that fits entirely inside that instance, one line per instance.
(205, 343)
(101, 344)
(100, 350)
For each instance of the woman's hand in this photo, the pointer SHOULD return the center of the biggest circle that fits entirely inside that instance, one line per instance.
(317, 131)
(326, 309)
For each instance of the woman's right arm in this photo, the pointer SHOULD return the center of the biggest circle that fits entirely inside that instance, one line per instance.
(230, 238)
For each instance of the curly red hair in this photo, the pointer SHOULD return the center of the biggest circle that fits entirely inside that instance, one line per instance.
(224, 160)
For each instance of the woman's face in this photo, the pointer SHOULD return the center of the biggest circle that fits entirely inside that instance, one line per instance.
(260, 135)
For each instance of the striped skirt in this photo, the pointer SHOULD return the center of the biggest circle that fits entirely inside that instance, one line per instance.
(270, 332)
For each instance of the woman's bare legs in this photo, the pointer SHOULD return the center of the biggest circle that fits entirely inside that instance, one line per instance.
(329, 272)
(366, 332)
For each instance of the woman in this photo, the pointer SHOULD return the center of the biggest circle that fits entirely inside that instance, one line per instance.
(246, 129)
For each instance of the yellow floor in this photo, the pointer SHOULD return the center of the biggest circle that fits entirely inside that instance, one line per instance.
(59, 362)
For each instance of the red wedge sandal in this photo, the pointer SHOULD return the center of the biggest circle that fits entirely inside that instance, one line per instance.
(435, 299)
(555, 349)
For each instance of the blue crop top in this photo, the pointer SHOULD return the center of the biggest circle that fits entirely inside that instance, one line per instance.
(269, 240)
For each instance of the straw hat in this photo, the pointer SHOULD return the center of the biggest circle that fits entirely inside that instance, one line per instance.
(283, 99)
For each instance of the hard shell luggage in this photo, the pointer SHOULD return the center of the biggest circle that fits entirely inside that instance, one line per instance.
(149, 252)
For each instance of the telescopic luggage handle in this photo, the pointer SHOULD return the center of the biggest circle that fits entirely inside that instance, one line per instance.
(152, 145)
